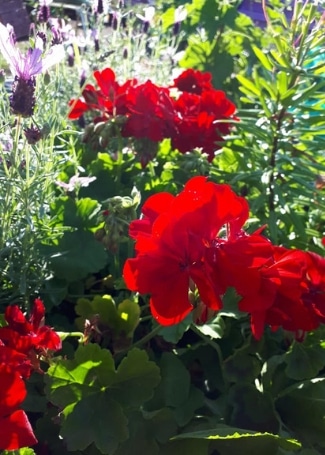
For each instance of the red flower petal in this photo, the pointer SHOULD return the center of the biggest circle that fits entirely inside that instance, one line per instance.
(11, 360)
(13, 339)
(16, 319)
(47, 338)
(16, 432)
(12, 392)
(193, 81)
(38, 313)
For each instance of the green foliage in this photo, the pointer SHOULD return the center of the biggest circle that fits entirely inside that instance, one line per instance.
(23, 451)
(111, 325)
(305, 361)
(122, 384)
(71, 262)
(89, 389)
(222, 38)
(308, 423)
(234, 441)
(174, 333)
(275, 156)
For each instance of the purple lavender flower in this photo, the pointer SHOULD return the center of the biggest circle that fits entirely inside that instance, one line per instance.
(33, 134)
(44, 13)
(99, 7)
(31, 64)
(95, 36)
(24, 68)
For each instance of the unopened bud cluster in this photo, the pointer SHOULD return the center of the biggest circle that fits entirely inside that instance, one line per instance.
(118, 213)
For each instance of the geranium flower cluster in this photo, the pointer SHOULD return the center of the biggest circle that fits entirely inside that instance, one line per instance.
(196, 117)
(192, 247)
(22, 343)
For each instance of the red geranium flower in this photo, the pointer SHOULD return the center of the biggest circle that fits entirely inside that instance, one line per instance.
(193, 81)
(106, 100)
(151, 113)
(200, 121)
(270, 280)
(29, 335)
(151, 209)
(171, 247)
(314, 296)
(15, 429)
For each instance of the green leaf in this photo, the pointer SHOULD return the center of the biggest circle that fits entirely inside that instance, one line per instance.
(69, 381)
(279, 58)
(121, 318)
(147, 430)
(214, 329)
(175, 332)
(230, 304)
(136, 379)
(80, 213)
(186, 410)
(93, 395)
(96, 418)
(248, 84)
(141, 439)
(242, 367)
(175, 380)
(175, 390)
(129, 315)
(35, 400)
(186, 446)
(235, 441)
(22, 451)
(251, 409)
(101, 305)
(273, 374)
(262, 58)
(76, 255)
(304, 362)
(302, 408)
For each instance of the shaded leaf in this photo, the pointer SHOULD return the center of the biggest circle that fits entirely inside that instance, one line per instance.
(304, 362)
(97, 419)
(121, 319)
(175, 380)
(76, 255)
(308, 398)
(174, 333)
(248, 408)
(136, 379)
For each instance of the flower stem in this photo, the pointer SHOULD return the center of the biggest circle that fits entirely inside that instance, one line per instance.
(143, 340)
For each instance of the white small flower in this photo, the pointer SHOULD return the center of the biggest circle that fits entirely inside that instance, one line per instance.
(180, 14)
(75, 182)
(149, 13)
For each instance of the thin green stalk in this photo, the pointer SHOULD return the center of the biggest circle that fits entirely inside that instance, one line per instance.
(138, 344)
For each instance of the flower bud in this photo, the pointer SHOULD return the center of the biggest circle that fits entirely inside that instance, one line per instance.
(22, 100)
(47, 78)
(2, 76)
(33, 134)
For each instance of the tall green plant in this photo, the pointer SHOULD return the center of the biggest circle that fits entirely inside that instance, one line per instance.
(276, 155)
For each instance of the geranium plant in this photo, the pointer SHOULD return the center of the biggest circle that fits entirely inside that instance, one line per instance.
(161, 239)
